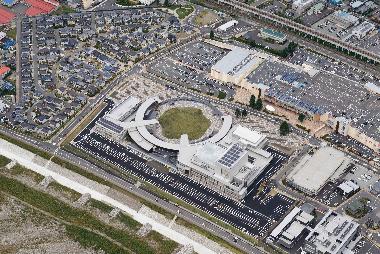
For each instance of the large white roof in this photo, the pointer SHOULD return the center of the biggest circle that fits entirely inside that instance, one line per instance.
(234, 58)
(288, 219)
(248, 135)
(313, 172)
(124, 107)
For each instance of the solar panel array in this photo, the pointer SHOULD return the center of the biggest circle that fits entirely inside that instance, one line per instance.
(231, 156)
(110, 125)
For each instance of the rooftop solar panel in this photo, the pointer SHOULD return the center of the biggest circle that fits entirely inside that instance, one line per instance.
(231, 156)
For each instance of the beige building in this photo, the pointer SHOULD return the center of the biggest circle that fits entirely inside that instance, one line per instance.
(87, 4)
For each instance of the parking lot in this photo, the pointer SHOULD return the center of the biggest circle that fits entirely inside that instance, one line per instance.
(351, 144)
(199, 55)
(330, 196)
(365, 247)
(239, 28)
(364, 177)
(302, 55)
(190, 67)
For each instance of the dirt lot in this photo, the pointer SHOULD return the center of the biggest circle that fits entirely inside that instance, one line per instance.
(205, 17)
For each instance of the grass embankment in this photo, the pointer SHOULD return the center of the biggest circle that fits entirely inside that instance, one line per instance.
(4, 161)
(79, 170)
(21, 170)
(72, 194)
(83, 226)
(100, 206)
(186, 120)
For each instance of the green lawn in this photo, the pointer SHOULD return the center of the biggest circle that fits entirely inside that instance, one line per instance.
(12, 33)
(63, 9)
(184, 11)
(185, 120)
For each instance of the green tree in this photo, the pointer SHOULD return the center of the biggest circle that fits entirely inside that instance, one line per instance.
(237, 112)
(244, 113)
(301, 117)
(166, 3)
(222, 95)
(212, 34)
(259, 104)
(252, 101)
(284, 128)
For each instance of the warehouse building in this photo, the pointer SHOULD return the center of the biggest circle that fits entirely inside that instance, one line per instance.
(343, 19)
(228, 166)
(331, 235)
(291, 228)
(314, 171)
(237, 65)
(363, 29)
(227, 25)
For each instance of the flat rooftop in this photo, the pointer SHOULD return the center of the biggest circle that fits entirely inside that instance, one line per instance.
(324, 92)
(314, 171)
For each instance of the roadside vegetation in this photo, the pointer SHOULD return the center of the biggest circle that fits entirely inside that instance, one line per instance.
(4, 161)
(21, 170)
(126, 2)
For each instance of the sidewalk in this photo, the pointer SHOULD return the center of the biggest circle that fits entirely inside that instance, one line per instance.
(97, 191)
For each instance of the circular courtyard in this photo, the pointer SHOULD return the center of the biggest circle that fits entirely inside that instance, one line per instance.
(184, 120)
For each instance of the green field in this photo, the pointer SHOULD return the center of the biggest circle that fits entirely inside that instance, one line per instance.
(184, 11)
(186, 120)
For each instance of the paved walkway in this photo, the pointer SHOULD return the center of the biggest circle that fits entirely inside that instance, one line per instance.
(96, 190)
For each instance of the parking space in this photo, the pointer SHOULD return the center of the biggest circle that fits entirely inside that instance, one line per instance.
(363, 176)
(352, 145)
(330, 196)
(198, 55)
(365, 247)
(302, 55)
(239, 28)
